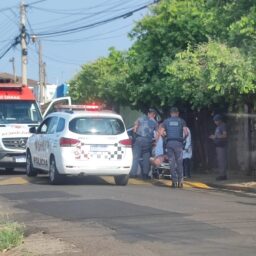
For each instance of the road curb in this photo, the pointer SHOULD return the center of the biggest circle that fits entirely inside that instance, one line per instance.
(232, 187)
(188, 184)
(208, 185)
(13, 181)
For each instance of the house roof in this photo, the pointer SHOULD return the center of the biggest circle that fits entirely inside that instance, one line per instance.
(7, 76)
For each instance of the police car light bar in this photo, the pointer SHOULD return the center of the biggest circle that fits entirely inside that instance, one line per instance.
(91, 107)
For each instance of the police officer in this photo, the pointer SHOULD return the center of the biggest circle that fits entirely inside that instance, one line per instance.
(174, 126)
(220, 140)
(144, 133)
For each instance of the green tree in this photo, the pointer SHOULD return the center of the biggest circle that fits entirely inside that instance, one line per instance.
(178, 36)
(102, 80)
(213, 73)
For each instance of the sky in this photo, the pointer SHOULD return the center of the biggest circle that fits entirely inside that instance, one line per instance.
(65, 52)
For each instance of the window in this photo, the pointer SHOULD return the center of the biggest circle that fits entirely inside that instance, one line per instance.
(44, 126)
(48, 126)
(61, 125)
(53, 125)
(18, 111)
(97, 125)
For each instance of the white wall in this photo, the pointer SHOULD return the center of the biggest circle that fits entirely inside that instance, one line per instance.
(50, 92)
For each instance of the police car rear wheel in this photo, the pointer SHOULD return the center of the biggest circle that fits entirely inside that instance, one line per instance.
(121, 180)
(30, 170)
(54, 176)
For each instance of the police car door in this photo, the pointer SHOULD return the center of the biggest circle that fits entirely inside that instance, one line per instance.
(53, 105)
(41, 146)
(48, 140)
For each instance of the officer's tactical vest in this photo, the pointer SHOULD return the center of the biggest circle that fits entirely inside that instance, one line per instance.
(175, 129)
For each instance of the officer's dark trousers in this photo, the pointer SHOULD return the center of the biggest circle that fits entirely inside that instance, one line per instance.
(187, 167)
(175, 155)
(221, 153)
(141, 149)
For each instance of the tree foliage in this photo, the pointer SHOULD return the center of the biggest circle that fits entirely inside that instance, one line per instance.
(197, 53)
(211, 73)
(103, 80)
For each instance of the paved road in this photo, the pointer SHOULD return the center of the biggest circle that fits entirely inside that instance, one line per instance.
(92, 216)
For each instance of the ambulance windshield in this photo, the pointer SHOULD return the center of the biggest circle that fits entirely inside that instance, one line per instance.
(19, 112)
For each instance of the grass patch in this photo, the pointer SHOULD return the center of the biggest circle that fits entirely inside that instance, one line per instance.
(11, 235)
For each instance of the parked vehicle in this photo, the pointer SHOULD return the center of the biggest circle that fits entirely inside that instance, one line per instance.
(18, 112)
(80, 140)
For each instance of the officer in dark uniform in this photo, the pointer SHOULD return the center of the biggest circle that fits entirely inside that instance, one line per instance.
(220, 140)
(144, 133)
(174, 126)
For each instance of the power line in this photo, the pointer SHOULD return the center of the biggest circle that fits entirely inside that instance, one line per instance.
(56, 59)
(78, 40)
(95, 24)
(6, 27)
(16, 41)
(35, 2)
(7, 8)
(70, 12)
(61, 61)
(9, 18)
(87, 16)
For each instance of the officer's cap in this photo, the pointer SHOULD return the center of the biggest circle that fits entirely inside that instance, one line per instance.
(217, 117)
(151, 110)
(174, 110)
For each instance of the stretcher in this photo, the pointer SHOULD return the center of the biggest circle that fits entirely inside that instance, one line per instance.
(162, 172)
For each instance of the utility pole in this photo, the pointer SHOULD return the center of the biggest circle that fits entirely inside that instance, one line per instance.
(44, 68)
(41, 72)
(24, 51)
(12, 60)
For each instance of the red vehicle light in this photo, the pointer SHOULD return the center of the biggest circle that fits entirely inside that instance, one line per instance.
(126, 143)
(92, 107)
(89, 107)
(68, 142)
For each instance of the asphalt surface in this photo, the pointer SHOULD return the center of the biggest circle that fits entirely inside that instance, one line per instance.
(92, 216)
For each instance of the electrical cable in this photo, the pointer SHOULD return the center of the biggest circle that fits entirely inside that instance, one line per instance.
(92, 25)
(56, 59)
(93, 15)
(10, 39)
(72, 12)
(60, 61)
(16, 41)
(5, 27)
(9, 18)
(114, 8)
(7, 8)
(78, 40)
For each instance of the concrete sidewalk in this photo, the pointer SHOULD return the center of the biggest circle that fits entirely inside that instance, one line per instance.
(234, 182)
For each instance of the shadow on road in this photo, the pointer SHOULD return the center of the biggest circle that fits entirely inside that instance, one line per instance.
(76, 180)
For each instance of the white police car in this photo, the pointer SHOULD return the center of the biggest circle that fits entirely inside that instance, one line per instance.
(82, 140)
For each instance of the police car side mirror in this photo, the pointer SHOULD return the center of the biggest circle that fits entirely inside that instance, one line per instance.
(32, 130)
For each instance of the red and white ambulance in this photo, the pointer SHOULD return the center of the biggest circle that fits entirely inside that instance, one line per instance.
(18, 112)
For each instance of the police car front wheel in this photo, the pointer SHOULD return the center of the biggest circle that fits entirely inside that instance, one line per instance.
(30, 170)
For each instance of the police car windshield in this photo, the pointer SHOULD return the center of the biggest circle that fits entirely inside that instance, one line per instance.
(21, 112)
(97, 126)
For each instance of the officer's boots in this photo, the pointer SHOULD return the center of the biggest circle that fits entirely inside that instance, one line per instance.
(180, 185)
(174, 184)
(177, 185)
